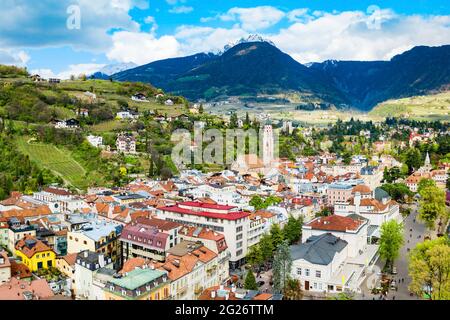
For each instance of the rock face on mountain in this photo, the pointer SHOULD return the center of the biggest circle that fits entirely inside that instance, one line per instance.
(258, 67)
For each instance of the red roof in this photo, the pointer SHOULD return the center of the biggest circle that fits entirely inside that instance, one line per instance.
(335, 223)
(206, 205)
(235, 215)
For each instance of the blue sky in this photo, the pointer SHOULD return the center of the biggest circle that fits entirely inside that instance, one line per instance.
(36, 34)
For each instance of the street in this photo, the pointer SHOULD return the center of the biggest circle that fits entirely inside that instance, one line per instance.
(414, 232)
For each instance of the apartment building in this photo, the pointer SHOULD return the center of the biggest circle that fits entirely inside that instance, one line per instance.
(96, 236)
(220, 218)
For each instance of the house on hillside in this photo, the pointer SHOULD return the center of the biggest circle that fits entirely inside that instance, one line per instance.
(126, 143)
(139, 97)
(66, 124)
(127, 114)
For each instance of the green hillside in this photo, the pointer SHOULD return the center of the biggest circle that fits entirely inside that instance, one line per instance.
(58, 161)
(429, 107)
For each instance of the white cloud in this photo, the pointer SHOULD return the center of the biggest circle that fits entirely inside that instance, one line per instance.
(42, 23)
(174, 2)
(252, 19)
(73, 69)
(181, 9)
(356, 35)
(299, 15)
(142, 48)
(151, 21)
(195, 39)
(12, 57)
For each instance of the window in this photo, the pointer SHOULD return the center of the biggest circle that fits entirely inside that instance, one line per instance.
(239, 252)
(239, 237)
(299, 271)
(318, 274)
(307, 272)
(239, 244)
(85, 242)
(239, 229)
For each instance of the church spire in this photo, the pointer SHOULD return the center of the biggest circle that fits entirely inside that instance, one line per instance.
(427, 160)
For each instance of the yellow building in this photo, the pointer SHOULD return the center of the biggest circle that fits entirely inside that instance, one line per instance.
(139, 284)
(35, 254)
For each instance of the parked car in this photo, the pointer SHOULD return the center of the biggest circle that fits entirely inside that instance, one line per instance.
(393, 285)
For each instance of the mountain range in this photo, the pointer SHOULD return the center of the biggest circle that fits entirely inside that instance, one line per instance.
(258, 68)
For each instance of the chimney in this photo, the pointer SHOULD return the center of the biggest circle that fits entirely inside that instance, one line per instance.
(227, 296)
(101, 260)
(357, 202)
(213, 294)
(86, 254)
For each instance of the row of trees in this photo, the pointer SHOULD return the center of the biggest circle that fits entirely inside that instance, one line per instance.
(259, 203)
(432, 204)
(282, 280)
(263, 252)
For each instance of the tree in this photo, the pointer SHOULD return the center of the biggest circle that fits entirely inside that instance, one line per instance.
(276, 235)
(325, 212)
(343, 296)
(282, 264)
(391, 240)
(254, 256)
(200, 109)
(432, 205)
(413, 159)
(233, 120)
(266, 247)
(257, 202)
(293, 229)
(247, 120)
(425, 183)
(429, 268)
(397, 191)
(293, 290)
(250, 281)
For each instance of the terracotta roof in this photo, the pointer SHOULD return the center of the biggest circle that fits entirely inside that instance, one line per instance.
(206, 234)
(38, 211)
(335, 223)
(70, 258)
(226, 216)
(263, 296)
(132, 264)
(361, 188)
(57, 191)
(38, 247)
(14, 289)
(102, 208)
(158, 223)
(178, 267)
(19, 270)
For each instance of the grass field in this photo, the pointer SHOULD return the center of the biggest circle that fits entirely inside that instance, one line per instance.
(56, 160)
(429, 107)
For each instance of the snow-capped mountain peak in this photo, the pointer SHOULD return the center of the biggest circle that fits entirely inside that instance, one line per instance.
(117, 67)
(249, 38)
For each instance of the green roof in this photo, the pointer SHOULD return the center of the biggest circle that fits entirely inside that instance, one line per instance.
(137, 278)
